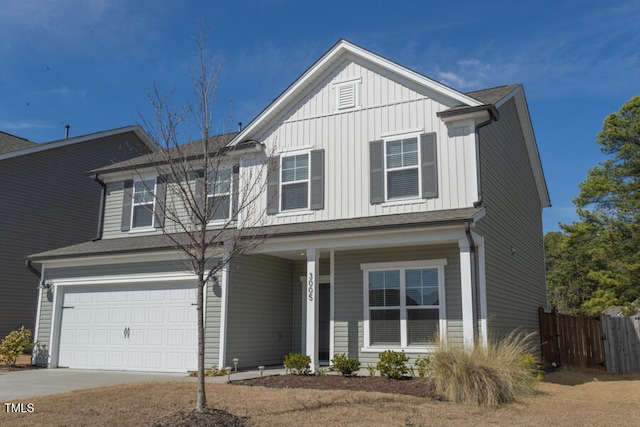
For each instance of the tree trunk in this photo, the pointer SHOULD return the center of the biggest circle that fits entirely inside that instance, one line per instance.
(201, 401)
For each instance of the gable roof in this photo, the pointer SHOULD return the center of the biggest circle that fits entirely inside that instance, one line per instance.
(331, 57)
(10, 143)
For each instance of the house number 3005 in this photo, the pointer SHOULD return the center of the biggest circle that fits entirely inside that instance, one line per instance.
(310, 286)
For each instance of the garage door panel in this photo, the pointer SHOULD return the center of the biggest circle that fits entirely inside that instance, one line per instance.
(130, 328)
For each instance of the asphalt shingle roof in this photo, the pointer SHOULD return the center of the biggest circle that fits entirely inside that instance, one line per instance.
(190, 149)
(162, 242)
(10, 143)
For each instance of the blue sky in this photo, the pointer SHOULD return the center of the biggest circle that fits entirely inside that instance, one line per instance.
(90, 64)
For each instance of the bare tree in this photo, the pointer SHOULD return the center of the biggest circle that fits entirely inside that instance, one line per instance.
(206, 205)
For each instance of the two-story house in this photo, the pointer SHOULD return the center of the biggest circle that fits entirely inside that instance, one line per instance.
(46, 201)
(397, 210)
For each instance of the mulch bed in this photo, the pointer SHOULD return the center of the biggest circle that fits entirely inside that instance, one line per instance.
(419, 387)
(214, 417)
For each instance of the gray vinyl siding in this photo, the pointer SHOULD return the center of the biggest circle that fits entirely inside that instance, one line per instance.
(259, 326)
(48, 202)
(515, 282)
(213, 300)
(44, 328)
(348, 304)
(121, 269)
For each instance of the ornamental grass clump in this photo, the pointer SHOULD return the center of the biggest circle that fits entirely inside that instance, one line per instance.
(486, 376)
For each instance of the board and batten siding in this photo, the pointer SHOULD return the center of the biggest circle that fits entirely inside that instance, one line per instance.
(259, 323)
(48, 202)
(348, 288)
(386, 107)
(516, 284)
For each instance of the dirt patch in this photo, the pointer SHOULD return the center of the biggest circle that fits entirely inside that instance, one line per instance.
(419, 387)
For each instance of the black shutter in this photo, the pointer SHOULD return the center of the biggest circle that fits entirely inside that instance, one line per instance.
(273, 186)
(376, 172)
(429, 165)
(199, 195)
(235, 191)
(317, 179)
(127, 200)
(161, 197)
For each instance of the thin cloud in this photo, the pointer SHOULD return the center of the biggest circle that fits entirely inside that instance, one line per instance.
(26, 124)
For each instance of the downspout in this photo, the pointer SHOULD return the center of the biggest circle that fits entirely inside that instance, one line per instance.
(494, 116)
(103, 196)
(32, 269)
(474, 274)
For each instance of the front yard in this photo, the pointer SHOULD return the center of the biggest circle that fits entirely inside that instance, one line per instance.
(568, 397)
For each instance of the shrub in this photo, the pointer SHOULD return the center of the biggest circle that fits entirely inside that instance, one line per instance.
(392, 364)
(14, 344)
(423, 366)
(297, 363)
(486, 376)
(346, 366)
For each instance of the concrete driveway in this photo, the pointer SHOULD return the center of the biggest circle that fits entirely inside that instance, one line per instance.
(37, 382)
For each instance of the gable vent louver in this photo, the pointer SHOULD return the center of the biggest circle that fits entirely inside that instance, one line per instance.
(346, 96)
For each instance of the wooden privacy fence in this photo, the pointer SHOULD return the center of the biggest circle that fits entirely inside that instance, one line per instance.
(622, 343)
(571, 340)
(585, 341)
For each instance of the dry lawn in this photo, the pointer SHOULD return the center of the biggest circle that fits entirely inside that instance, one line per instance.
(567, 398)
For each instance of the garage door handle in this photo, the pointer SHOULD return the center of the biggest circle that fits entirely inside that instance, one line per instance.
(127, 332)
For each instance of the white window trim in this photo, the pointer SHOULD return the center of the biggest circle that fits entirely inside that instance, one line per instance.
(133, 229)
(229, 193)
(439, 264)
(355, 83)
(308, 180)
(397, 137)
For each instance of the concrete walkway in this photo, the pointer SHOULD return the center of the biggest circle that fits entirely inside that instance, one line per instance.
(38, 382)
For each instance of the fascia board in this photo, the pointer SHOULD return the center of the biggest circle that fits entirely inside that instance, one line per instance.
(328, 58)
(358, 240)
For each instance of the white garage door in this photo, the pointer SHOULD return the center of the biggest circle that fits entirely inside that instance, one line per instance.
(137, 328)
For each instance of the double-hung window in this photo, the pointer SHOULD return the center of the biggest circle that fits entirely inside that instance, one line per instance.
(402, 168)
(404, 303)
(295, 182)
(219, 195)
(143, 203)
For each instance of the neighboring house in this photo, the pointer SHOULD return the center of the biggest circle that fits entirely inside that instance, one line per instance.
(399, 209)
(46, 200)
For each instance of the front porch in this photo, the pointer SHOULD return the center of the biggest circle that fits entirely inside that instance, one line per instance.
(354, 295)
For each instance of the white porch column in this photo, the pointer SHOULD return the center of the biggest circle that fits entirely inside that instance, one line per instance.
(466, 283)
(313, 269)
(482, 288)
